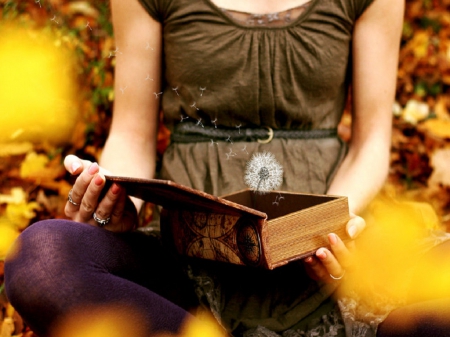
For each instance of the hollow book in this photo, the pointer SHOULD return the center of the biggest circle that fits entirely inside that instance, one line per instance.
(245, 228)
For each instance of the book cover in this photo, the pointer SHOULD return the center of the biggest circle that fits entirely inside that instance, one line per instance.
(246, 228)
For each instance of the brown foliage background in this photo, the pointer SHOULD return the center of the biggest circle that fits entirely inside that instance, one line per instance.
(420, 157)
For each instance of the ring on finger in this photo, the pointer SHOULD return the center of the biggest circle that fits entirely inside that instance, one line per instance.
(101, 222)
(69, 198)
(337, 278)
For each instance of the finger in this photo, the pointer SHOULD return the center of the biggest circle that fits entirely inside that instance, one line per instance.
(111, 206)
(79, 189)
(82, 182)
(90, 199)
(315, 269)
(330, 263)
(75, 165)
(340, 250)
(128, 215)
(355, 226)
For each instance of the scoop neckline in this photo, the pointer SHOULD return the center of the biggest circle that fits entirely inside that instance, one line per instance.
(299, 19)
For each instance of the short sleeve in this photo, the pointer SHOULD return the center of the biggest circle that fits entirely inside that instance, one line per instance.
(359, 7)
(155, 8)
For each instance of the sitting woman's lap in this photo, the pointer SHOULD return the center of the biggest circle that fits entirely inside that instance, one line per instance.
(58, 266)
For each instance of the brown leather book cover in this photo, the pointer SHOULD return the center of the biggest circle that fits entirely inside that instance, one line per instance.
(245, 228)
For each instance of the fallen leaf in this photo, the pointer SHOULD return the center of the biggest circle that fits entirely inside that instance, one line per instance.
(440, 161)
(21, 214)
(33, 164)
(415, 112)
(8, 235)
(17, 196)
(14, 149)
(436, 127)
(7, 327)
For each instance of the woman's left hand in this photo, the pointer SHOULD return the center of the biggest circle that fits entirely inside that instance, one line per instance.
(330, 265)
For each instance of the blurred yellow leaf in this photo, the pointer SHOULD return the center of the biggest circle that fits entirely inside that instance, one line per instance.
(81, 7)
(17, 196)
(19, 211)
(15, 148)
(38, 166)
(38, 93)
(437, 127)
(21, 214)
(33, 164)
(7, 236)
(7, 327)
(419, 44)
(104, 320)
(202, 326)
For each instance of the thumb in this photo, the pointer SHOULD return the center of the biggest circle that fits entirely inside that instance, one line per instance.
(355, 225)
(75, 165)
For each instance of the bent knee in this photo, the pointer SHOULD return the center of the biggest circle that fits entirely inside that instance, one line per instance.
(39, 252)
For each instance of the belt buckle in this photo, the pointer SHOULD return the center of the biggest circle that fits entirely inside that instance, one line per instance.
(269, 139)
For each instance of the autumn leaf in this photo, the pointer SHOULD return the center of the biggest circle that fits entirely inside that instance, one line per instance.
(415, 112)
(8, 235)
(437, 127)
(440, 161)
(16, 196)
(19, 211)
(21, 214)
(15, 148)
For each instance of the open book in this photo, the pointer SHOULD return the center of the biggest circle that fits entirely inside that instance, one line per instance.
(246, 228)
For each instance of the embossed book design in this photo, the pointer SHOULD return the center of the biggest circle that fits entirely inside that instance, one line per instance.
(245, 228)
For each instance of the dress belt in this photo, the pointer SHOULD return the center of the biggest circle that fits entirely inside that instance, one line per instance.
(187, 132)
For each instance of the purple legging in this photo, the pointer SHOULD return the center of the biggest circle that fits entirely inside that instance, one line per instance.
(59, 265)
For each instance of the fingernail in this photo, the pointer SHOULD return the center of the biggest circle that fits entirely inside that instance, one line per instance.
(332, 238)
(93, 168)
(75, 166)
(321, 254)
(98, 180)
(115, 189)
(308, 259)
(352, 231)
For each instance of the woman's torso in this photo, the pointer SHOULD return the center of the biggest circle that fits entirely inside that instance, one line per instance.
(225, 68)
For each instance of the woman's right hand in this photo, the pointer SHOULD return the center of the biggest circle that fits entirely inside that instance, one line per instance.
(85, 204)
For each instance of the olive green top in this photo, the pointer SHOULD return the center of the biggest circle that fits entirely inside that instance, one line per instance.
(279, 71)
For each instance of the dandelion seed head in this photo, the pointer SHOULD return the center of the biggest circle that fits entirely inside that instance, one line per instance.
(263, 173)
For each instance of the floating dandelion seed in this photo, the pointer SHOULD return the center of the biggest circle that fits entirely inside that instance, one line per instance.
(263, 173)
(214, 122)
(199, 122)
(230, 154)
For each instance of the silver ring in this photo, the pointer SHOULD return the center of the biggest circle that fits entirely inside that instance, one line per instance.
(69, 198)
(338, 278)
(101, 222)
